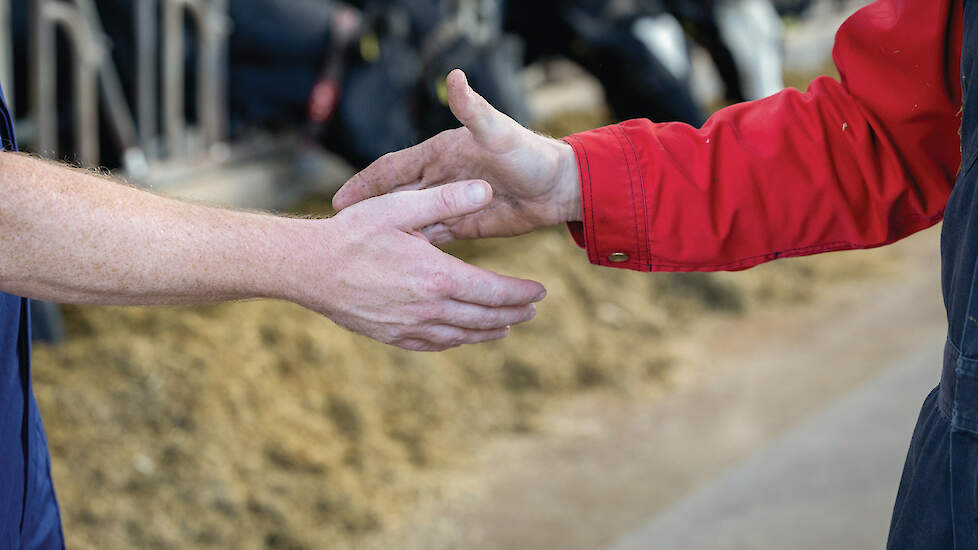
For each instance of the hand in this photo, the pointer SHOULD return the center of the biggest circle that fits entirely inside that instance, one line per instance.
(384, 278)
(534, 178)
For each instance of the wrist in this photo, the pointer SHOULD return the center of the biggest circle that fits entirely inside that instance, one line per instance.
(295, 249)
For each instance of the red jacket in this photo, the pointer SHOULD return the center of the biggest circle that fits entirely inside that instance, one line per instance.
(852, 164)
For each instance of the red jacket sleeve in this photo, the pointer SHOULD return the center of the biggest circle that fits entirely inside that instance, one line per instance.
(851, 164)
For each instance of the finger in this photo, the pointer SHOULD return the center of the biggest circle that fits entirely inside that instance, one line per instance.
(438, 233)
(443, 337)
(400, 170)
(473, 111)
(416, 344)
(451, 337)
(479, 286)
(476, 317)
(412, 210)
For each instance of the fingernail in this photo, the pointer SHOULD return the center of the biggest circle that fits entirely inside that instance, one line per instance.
(477, 192)
(540, 296)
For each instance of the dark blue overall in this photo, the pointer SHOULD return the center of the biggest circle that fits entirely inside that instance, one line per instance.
(29, 516)
(937, 505)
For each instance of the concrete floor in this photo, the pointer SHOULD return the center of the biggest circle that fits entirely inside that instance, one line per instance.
(828, 483)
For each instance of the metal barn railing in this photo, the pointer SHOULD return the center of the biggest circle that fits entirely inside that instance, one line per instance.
(159, 131)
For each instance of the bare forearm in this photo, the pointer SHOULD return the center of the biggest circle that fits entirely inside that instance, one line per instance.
(70, 236)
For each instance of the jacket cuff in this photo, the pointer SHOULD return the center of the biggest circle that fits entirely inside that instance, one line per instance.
(615, 230)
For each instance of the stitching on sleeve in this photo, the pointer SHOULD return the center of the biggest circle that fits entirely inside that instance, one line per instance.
(645, 207)
(925, 221)
(590, 201)
(584, 167)
(616, 131)
(742, 262)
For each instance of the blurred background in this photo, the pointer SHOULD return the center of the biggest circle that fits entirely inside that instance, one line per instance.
(261, 425)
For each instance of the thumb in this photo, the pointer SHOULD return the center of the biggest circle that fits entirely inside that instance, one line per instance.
(414, 210)
(473, 111)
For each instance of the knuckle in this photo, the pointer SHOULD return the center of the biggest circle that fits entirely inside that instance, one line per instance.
(445, 136)
(426, 150)
(386, 160)
(428, 313)
(445, 140)
(397, 342)
(414, 345)
(395, 336)
(408, 330)
(455, 342)
(439, 283)
(358, 215)
(447, 198)
(445, 337)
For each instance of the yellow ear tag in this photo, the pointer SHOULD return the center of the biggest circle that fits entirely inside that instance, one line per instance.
(370, 47)
(441, 88)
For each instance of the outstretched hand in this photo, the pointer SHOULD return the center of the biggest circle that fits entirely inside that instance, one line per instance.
(384, 279)
(534, 178)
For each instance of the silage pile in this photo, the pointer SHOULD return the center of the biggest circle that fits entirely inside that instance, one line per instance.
(262, 425)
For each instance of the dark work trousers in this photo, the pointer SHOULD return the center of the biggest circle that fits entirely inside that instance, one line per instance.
(29, 516)
(937, 504)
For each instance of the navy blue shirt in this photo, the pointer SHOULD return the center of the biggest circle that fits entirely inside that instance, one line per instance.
(29, 516)
(14, 381)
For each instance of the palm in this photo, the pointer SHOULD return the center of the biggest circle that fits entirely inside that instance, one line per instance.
(522, 169)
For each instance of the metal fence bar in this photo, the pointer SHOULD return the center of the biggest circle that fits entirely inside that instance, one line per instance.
(113, 97)
(95, 73)
(42, 75)
(211, 67)
(45, 17)
(210, 23)
(88, 58)
(173, 77)
(147, 72)
(6, 55)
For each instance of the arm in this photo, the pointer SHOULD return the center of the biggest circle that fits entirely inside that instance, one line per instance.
(70, 236)
(851, 164)
(845, 165)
